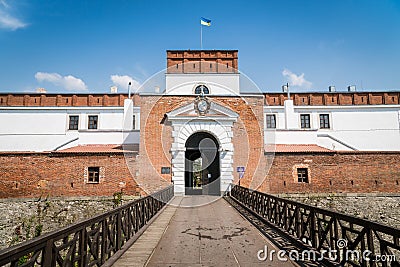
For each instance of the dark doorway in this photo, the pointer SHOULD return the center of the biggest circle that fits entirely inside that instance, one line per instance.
(202, 169)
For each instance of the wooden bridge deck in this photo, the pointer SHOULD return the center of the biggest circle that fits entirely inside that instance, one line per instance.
(199, 231)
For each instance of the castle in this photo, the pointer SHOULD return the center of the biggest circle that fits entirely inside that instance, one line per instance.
(202, 126)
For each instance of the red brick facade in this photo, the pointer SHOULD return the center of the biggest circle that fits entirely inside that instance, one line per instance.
(156, 136)
(42, 174)
(271, 99)
(202, 61)
(57, 174)
(65, 100)
(336, 172)
(334, 98)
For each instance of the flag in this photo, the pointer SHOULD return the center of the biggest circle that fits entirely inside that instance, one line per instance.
(205, 22)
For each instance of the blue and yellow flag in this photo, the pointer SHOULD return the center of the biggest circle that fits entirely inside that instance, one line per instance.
(205, 22)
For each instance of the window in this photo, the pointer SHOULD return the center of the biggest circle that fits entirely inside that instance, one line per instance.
(73, 122)
(165, 170)
(305, 121)
(201, 89)
(324, 121)
(93, 121)
(93, 175)
(133, 122)
(271, 121)
(302, 175)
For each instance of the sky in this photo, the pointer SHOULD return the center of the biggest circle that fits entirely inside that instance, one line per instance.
(87, 46)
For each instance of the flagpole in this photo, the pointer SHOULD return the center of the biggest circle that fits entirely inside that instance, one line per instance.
(201, 37)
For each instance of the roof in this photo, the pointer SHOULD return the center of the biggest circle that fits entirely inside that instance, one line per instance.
(296, 148)
(101, 149)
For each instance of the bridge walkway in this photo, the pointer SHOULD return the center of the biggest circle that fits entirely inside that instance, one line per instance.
(199, 231)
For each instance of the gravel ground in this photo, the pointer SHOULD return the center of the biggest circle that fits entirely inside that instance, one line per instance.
(385, 210)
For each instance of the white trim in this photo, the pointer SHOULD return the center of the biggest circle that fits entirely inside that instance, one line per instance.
(330, 121)
(265, 121)
(310, 120)
(68, 120)
(87, 121)
(185, 126)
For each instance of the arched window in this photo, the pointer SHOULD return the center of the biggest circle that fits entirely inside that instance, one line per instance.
(201, 89)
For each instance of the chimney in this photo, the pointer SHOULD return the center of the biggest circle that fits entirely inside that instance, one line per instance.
(114, 89)
(332, 88)
(41, 90)
(351, 88)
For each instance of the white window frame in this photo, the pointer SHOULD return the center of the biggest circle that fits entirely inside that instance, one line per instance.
(98, 122)
(69, 119)
(276, 120)
(309, 119)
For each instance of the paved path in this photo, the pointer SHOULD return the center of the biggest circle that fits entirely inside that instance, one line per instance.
(139, 253)
(199, 234)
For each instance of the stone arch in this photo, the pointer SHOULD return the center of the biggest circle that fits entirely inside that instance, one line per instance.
(211, 127)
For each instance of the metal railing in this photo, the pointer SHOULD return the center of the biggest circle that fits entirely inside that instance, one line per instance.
(90, 242)
(350, 241)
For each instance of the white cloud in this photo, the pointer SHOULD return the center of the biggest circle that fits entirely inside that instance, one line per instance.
(4, 3)
(68, 82)
(7, 20)
(122, 81)
(296, 80)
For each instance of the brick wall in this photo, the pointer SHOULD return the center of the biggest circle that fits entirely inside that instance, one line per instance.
(202, 61)
(64, 100)
(33, 175)
(358, 172)
(156, 137)
(36, 174)
(334, 98)
(271, 99)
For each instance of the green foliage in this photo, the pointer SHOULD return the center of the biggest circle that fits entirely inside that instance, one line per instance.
(117, 198)
(31, 226)
(38, 230)
(23, 259)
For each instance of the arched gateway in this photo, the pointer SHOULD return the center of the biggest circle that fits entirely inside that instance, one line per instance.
(202, 149)
(202, 168)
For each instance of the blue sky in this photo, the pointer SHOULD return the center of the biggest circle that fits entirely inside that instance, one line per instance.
(88, 46)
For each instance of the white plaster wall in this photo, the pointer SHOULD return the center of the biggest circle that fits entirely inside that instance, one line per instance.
(46, 128)
(38, 142)
(361, 127)
(218, 83)
(92, 137)
(295, 137)
(376, 140)
(32, 122)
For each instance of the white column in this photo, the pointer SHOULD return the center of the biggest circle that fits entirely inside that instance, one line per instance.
(291, 120)
(178, 172)
(128, 115)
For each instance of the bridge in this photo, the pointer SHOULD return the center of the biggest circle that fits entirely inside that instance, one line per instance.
(244, 228)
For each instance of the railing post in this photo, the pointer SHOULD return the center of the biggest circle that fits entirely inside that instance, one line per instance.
(48, 253)
(119, 231)
(313, 233)
(104, 242)
(82, 247)
(143, 213)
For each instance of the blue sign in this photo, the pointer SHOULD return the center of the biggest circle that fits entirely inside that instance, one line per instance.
(240, 169)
